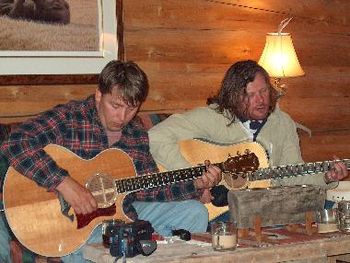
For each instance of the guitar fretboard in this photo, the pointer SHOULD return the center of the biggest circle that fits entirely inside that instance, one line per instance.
(286, 171)
(158, 179)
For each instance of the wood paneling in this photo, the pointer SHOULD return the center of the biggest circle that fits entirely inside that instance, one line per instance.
(185, 47)
(29, 100)
(324, 145)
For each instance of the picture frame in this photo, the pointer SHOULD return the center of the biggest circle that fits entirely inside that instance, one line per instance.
(68, 62)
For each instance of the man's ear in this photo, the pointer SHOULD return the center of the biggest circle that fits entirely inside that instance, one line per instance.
(98, 95)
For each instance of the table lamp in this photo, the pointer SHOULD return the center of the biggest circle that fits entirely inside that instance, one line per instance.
(279, 58)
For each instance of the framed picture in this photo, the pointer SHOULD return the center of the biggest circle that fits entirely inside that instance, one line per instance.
(81, 44)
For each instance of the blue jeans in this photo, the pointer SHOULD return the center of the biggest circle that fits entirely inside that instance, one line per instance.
(164, 217)
(77, 256)
(4, 240)
(191, 215)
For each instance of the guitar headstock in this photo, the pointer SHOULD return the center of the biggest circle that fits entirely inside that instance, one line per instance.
(241, 163)
(235, 169)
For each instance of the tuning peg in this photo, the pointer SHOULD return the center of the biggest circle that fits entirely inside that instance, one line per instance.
(238, 153)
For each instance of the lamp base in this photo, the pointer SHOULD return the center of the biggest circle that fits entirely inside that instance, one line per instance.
(281, 88)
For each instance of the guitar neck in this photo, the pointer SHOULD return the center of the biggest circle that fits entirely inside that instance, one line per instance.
(286, 171)
(159, 179)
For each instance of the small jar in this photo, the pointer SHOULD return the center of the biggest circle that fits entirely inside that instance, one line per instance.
(224, 236)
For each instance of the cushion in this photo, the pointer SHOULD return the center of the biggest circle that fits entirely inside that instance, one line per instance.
(4, 132)
(150, 119)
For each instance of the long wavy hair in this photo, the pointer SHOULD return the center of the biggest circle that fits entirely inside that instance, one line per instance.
(233, 88)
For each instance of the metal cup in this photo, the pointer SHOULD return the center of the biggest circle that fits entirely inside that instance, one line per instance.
(327, 220)
(328, 216)
(344, 215)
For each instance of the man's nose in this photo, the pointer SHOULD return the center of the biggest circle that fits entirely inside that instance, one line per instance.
(259, 98)
(121, 114)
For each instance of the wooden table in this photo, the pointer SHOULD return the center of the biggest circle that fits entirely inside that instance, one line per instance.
(278, 245)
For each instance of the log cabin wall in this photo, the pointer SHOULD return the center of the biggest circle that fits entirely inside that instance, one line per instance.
(185, 47)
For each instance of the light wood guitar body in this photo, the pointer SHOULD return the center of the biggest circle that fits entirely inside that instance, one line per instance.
(196, 151)
(34, 214)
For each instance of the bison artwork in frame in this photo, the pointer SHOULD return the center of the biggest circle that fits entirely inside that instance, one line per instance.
(56, 36)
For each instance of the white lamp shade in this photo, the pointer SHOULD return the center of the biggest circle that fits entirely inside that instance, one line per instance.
(279, 58)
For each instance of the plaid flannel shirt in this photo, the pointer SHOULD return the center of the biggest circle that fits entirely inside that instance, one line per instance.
(77, 127)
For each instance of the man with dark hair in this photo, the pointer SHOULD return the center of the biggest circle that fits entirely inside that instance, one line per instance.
(107, 119)
(48, 11)
(244, 109)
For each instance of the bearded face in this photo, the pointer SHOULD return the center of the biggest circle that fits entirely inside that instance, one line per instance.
(255, 104)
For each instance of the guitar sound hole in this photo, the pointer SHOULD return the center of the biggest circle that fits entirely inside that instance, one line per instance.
(234, 181)
(102, 188)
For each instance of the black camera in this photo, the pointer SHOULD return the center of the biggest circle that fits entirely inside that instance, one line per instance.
(128, 239)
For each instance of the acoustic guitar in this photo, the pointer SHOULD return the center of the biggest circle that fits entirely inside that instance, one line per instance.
(195, 151)
(46, 225)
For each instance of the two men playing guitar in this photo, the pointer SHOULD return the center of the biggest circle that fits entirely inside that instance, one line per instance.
(87, 127)
(107, 120)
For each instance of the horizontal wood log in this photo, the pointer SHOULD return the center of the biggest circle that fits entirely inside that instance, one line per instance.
(47, 79)
(233, 14)
(323, 146)
(29, 100)
(276, 205)
(213, 46)
(207, 22)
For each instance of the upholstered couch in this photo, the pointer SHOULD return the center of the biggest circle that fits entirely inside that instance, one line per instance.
(19, 253)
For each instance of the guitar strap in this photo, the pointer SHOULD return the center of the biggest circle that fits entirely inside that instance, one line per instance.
(65, 208)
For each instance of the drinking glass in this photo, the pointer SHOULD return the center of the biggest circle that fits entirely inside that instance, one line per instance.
(224, 236)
